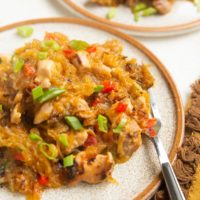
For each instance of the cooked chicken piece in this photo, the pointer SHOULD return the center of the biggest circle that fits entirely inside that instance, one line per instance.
(80, 104)
(86, 114)
(45, 72)
(77, 139)
(163, 6)
(18, 96)
(89, 121)
(80, 60)
(101, 70)
(105, 68)
(111, 113)
(129, 108)
(143, 103)
(44, 113)
(132, 127)
(81, 109)
(46, 83)
(94, 170)
(80, 138)
(16, 114)
(129, 140)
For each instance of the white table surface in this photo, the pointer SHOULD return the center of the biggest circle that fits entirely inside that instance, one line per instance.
(180, 54)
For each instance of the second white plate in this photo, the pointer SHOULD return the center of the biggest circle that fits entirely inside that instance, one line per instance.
(183, 18)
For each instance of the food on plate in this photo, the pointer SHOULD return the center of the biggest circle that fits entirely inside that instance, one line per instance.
(24, 31)
(139, 8)
(144, 8)
(70, 111)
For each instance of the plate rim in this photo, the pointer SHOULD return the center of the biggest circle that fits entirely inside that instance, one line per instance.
(151, 188)
(142, 29)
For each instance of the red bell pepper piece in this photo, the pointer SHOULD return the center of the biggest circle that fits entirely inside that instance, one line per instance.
(95, 102)
(18, 156)
(91, 140)
(50, 36)
(68, 52)
(108, 87)
(121, 107)
(91, 49)
(151, 123)
(152, 132)
(43, 180)
(29, 70)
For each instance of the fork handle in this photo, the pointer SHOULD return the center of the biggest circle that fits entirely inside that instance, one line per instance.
(173, 187)
(171, 181)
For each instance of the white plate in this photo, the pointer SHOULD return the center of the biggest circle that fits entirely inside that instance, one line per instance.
(183, 18)
(138, 178)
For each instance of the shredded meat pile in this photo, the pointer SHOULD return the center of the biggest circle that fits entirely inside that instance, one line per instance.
(193, 113)
(188, 157)
(187, 162)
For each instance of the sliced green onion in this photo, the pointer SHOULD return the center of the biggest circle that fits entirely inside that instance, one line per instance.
(46, 44)
(50, 94)
(18, 65)
(63, 139)
(42, 55)
(35, 137)
(136, 17)
(37, 92)
(24, 31)
(56, 47)
(102, 123)
(197, 4)
(98, 88)
(120, 126)
(111, 13)
(78, 45)
(74, 122)
(68, 161)
(1, 107)
(139, 7)
(149, 11)
(48, 150)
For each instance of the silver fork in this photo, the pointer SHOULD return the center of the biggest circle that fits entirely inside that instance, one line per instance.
(171, 181)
